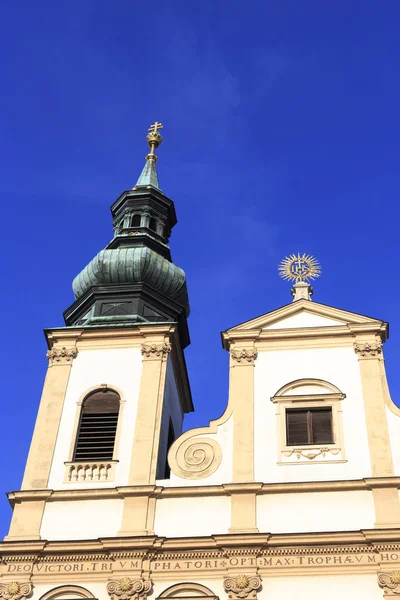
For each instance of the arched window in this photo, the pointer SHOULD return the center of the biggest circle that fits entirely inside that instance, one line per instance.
(136, 221)
(65, 592)
(153, 224)
(97, 426)
(187, 590)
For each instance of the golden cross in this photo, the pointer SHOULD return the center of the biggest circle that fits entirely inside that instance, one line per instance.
(153, 128)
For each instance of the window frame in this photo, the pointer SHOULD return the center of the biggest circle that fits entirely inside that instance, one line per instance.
(114, 461)
(309, 411)
(327, 396)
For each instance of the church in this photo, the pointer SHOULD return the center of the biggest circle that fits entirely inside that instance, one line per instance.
(292, 493)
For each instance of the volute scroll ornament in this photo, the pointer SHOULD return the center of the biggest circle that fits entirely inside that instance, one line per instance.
(127, 588)
(15, 590)
(195, 458)
(242, 587)
(61, 356)
(390, 582)
(244, 355)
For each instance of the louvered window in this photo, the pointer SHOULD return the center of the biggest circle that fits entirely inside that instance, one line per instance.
(309, 426)
(97, 427)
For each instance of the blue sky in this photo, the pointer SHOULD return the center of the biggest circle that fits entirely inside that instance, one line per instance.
(281, 135)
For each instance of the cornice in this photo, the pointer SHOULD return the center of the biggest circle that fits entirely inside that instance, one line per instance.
(346, 334)
(81, 335)
(155, 491)
(227, 544)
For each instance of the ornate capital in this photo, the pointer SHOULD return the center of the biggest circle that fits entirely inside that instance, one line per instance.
(242, 587)
(127, 588)
(368, 349)
(244, 355)
(15, 590)
(156, 350)
(390, 582)
(61, 356)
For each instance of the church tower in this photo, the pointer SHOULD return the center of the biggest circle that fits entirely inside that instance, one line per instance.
(116, 388)
(292, 492)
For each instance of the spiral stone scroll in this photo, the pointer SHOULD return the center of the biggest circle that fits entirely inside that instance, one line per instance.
(195, 458)
(390, 582)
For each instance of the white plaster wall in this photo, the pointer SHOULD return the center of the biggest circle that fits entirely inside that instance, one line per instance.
(338, 366)
(81, 519)
(315, 511)
(303, 319)
(394, 435)
(328, 587)
(171, 410)
(119, 367)
(206, 515)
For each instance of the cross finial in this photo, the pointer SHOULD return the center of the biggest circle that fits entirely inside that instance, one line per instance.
(154, 139)
(155, 127)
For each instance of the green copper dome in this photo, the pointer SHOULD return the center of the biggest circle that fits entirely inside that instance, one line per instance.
(133, 265)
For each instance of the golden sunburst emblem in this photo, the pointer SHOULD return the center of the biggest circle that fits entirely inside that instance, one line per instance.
(242, 581)
(125, 584)
(300, 267)
(13, 588)
(395, 577)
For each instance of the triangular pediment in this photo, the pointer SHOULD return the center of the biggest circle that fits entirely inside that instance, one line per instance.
(302, 314)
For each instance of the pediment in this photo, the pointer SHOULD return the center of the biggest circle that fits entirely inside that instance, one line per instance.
(305, 313)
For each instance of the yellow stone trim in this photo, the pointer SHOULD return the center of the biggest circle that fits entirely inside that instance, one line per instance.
(315, 308)
(44, 438)
(374, 407)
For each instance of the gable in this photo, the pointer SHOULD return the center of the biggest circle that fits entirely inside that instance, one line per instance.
(304, 319)
(305, 313)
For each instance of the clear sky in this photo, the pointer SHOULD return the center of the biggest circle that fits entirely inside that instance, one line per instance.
(281, 135)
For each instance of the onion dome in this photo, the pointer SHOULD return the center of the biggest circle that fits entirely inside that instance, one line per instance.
(133, 280)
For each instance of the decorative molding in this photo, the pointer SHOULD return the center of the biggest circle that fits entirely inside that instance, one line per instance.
(195, 458)
(368, 349)
(311, 454)
(244, 355)
(15, 590)
(390, 582)
(242, 587)
(156, 350)
(127, 588)
(61, 356)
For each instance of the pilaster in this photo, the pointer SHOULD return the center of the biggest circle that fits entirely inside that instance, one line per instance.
(138, 514)
(386, 498)
(38, 465)
(241, 392)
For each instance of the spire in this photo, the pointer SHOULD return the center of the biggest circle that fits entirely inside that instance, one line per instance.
(149, 174)
(300, 269)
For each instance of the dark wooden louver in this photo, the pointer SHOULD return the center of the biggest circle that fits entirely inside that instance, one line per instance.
(309, 426)
(97, 427)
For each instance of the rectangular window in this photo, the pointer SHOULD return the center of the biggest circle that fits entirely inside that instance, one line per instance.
(309, 426)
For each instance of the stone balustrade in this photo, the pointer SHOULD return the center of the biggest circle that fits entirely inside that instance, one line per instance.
(87, 472)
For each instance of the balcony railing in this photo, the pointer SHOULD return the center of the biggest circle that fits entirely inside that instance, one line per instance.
(88, 472)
